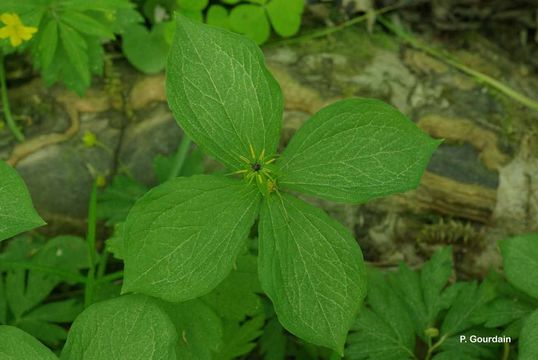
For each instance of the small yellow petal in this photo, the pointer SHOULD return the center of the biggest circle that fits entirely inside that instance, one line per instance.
(26, 33)
(10, 19)
(15, 40)
(5, 33)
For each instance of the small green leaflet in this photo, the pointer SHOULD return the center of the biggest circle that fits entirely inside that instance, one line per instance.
(127, 327)
(17, 214)
(146, 50)
(384, 329)
(312, 269)
(470, 299)
(528, 342)
(237, 297)
(239, 338)
(520, 257)
(221, 94)
(285, 16)
(424, 292)
(182, 237)
(199, 329)
(27, 289)
(355, 150)
(15, 344)
(273, 341)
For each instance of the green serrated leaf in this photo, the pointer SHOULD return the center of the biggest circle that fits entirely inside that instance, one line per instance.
(87, 25)
(199, 329)
(18, 345)
(355, 150)
(17, 213)
(75, 47)
(312, 269)
(26, 289)
(237, 296)
(520, 257)
(251, 21)
(273, 341)
(434, 277)
(128, 327)
(239, 338)
(385, 328)
(470, 299)
(503, 311)
(217, 16)
(285, 16)
(146, 50)
(118, 198)
(182, 237)
(224, 105)
(48, 42)
(528, 341)
(453, 348)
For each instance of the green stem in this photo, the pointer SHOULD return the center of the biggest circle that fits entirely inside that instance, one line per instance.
(90, 239)
(101, 268)
(432, 349)
(337, 28)
(506, 351)
(5, 102)
(110, 277)
(179, 158)
(450, 60)
(23, 265)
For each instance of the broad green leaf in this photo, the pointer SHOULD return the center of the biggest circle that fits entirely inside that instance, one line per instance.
(75, 47)
(200, 329)
(87, 25)
(520, 257)
(285, 16)
(385, 328)
(355, 150)
(218, 16)
(48, 42)
(146, 50)
(236, 297)
(312, 269)
(182, 237)
(15, 344)
(127, 327)
(251, 21)
(528, 341)
(17, 213)
(470, 299)
(221, 93)
(239, 339)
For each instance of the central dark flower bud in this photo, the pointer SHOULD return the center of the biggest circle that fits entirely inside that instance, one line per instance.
(256, 166)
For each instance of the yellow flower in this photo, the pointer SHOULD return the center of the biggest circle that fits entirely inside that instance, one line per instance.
(89, 139)
(15, 30)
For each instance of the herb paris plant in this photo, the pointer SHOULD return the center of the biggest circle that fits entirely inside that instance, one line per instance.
(182, 237)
